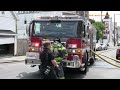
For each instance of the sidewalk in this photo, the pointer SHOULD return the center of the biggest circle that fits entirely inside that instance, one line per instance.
(10, 59)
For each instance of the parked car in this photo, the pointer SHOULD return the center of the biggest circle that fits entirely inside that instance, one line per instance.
(104, 46)
(104, 37)
(118, 43)
(118, 53)
(98, 47)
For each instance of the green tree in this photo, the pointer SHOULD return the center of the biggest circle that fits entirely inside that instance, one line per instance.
(99, 27)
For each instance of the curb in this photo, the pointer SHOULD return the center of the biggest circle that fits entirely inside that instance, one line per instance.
(11, 61)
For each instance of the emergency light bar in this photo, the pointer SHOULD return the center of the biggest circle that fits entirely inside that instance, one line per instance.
(59, 17)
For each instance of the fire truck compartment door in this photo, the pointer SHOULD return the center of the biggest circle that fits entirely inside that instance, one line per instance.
(32, 58)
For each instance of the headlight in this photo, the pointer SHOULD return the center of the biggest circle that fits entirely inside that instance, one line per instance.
(33, 49)
(73, 51)
(78, 51)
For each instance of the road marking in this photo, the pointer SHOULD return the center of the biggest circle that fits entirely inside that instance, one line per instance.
(106, 60)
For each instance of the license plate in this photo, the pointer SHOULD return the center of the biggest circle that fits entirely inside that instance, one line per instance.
(32, 55)
(32, 62)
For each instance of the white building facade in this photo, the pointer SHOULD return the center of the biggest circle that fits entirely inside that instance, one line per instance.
(108, 25)
(8, 32)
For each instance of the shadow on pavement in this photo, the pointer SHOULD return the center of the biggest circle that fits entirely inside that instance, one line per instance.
(74, 74)
(70, 74)
(31, 75)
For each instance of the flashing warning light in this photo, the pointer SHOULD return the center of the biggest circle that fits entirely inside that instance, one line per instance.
(74, 45)
(78, 51)
(36, 44)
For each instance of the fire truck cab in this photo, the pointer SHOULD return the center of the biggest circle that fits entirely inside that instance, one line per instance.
(76, 32)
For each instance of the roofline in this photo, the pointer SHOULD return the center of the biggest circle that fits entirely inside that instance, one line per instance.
(15, 15)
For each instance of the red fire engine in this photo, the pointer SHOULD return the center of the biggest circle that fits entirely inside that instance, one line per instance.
(76, 32)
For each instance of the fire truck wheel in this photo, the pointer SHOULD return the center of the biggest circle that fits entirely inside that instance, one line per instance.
(94, 55)
(84, 68)
(39, 67)
(91, 61)
(116, 57)
(25, 61)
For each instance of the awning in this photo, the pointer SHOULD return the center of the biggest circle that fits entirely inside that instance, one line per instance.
(7, 32)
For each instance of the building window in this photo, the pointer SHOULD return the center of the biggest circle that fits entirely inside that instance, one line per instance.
(3, 12)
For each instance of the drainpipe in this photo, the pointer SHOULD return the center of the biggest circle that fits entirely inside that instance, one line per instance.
(15, 39)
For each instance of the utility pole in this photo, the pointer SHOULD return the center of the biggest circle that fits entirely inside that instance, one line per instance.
(114, 30)
(102, 30)
(84, 13)
(117, 35)
(101, 16)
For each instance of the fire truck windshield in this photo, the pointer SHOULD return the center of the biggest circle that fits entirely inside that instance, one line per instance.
(55, 29)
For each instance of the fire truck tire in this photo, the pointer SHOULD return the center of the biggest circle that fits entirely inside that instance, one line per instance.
(116, 57)
(39, 67)
(25, 61)
(91, 61)
(94, 54)
(83, 69)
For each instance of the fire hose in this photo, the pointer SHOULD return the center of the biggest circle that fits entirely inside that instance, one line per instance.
(110, 58)
(106, 60)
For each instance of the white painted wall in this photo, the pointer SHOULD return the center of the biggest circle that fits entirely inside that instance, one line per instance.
(7, 22)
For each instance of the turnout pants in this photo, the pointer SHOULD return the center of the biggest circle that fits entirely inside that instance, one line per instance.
(51, 75)
(60, 72)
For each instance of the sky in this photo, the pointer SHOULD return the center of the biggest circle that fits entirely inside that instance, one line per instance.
(111, 13)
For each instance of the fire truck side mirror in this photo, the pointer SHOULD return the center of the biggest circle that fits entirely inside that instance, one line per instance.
(83, 33)
(84, 30)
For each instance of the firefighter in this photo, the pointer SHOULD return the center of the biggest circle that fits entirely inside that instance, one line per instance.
(48, 63)
(60, 53)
